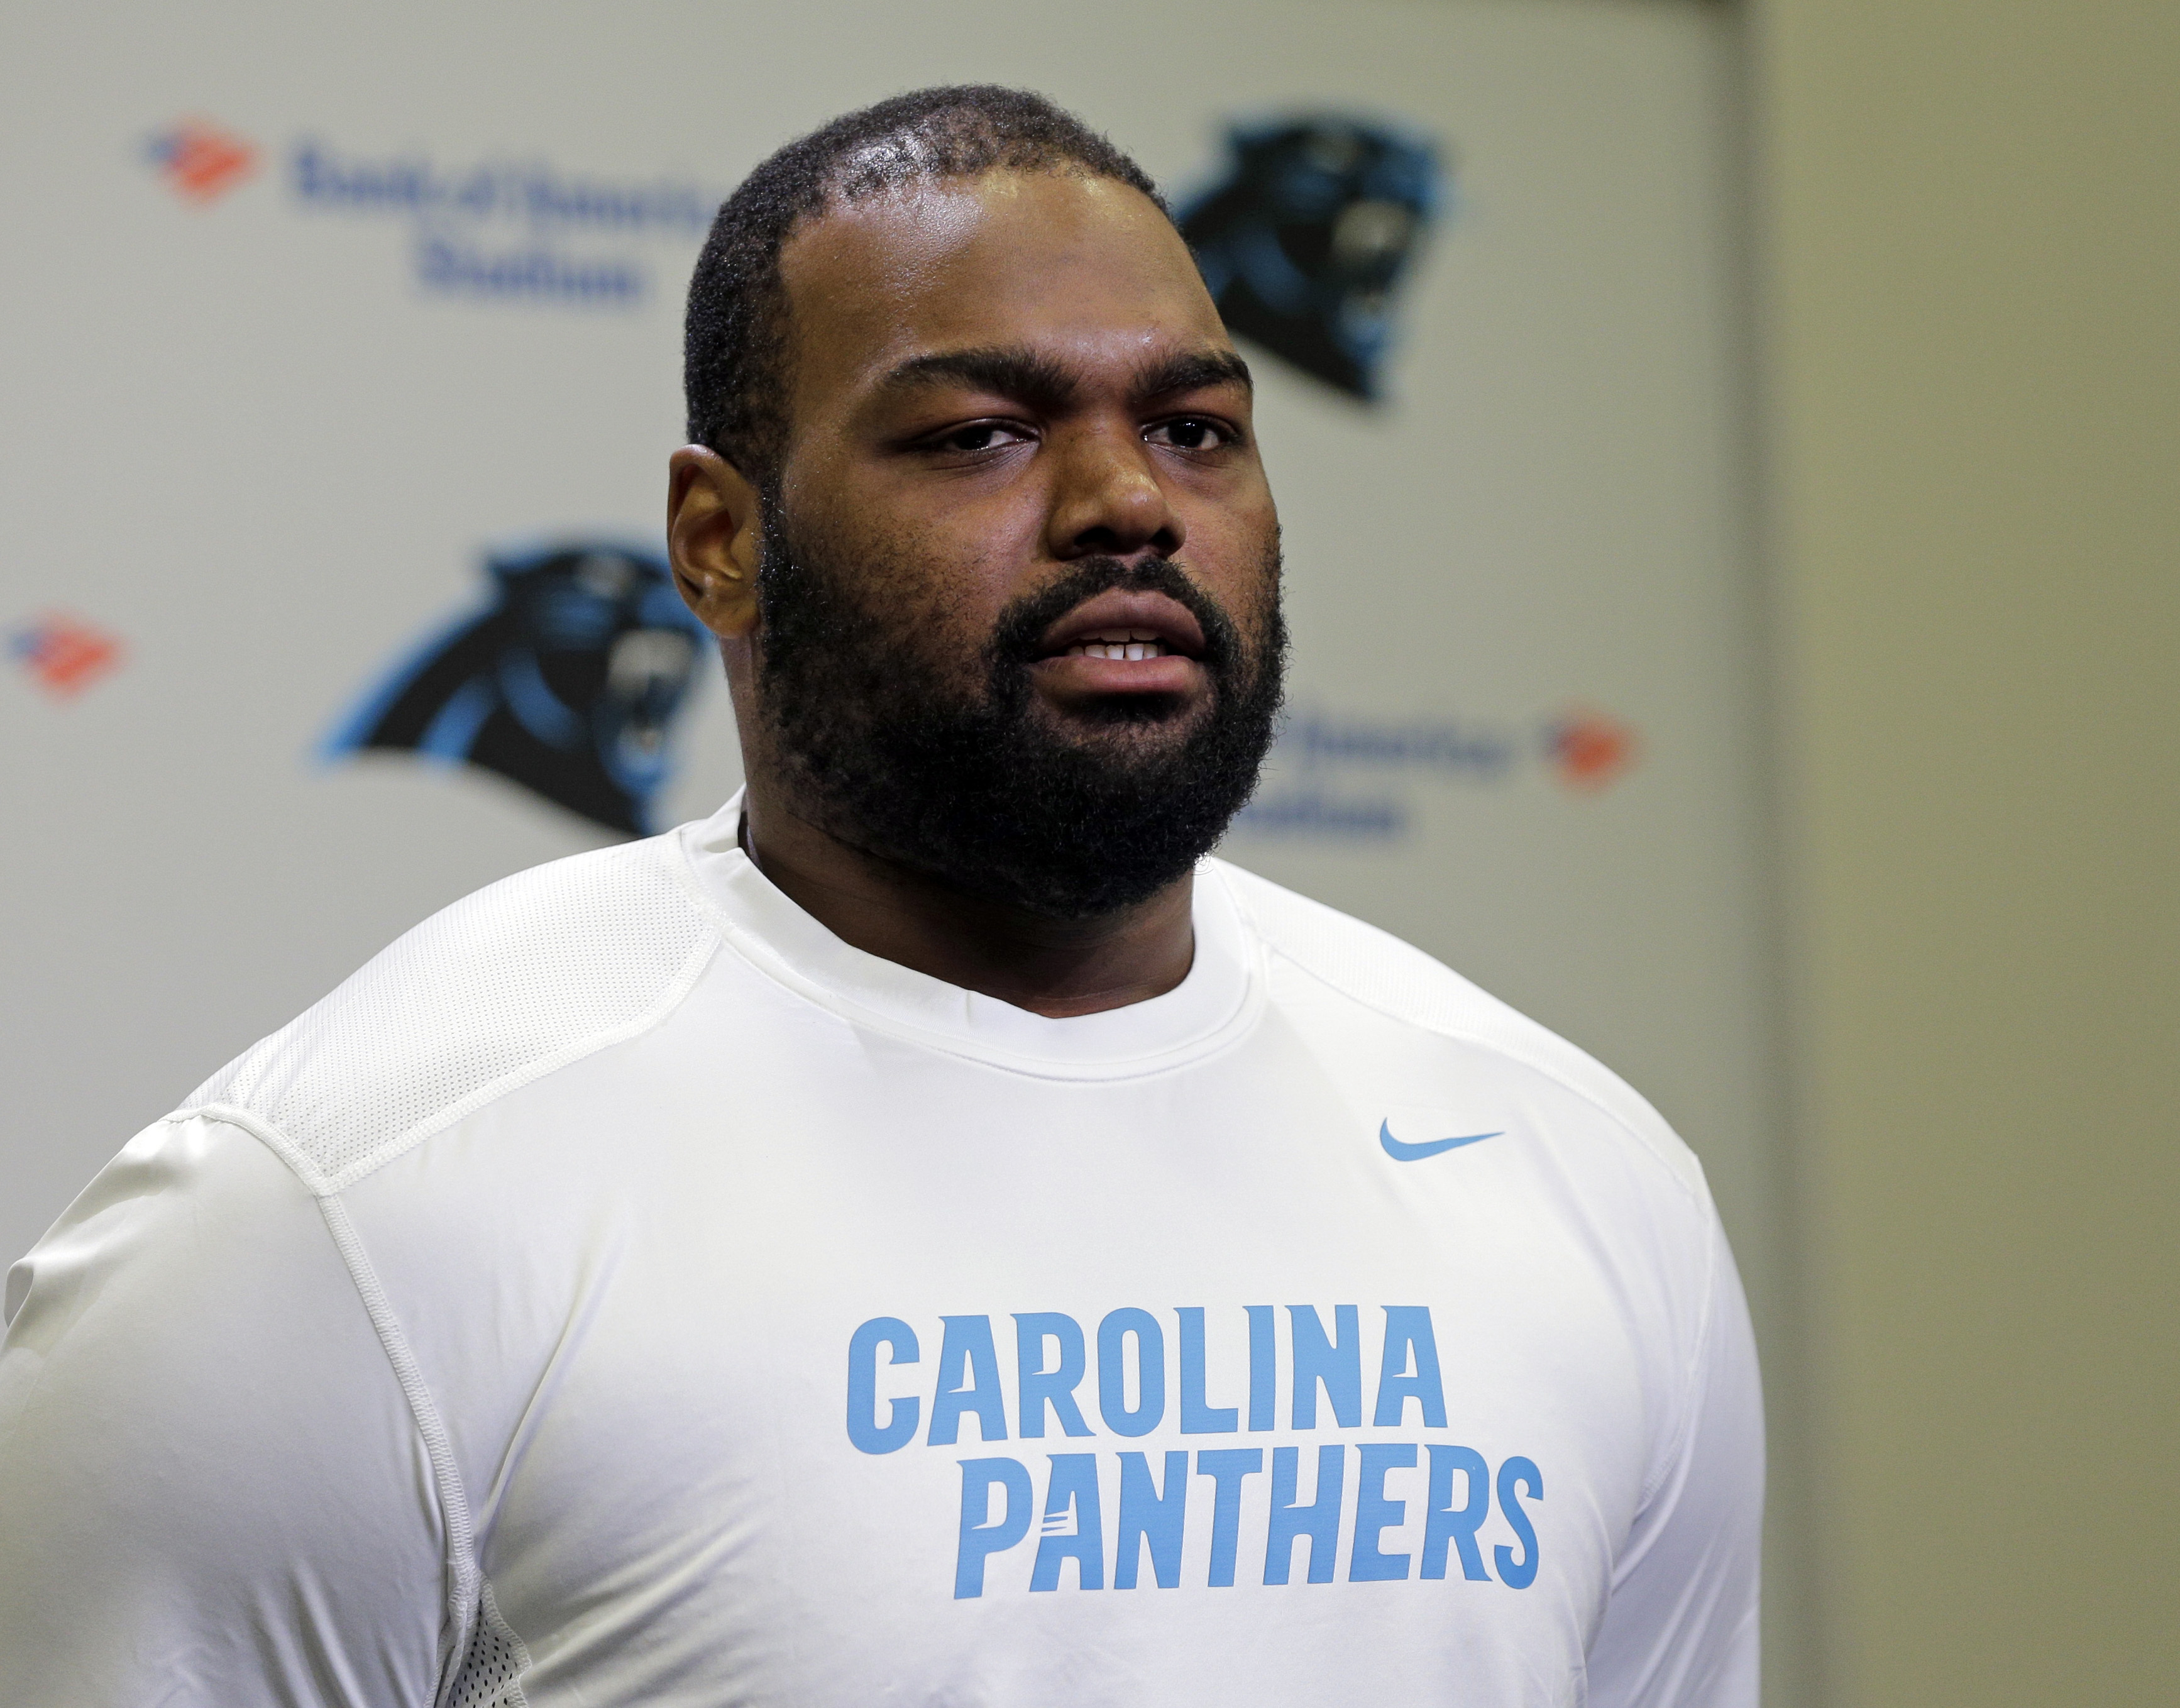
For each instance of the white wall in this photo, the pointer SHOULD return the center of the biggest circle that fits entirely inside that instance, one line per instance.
(245, 440)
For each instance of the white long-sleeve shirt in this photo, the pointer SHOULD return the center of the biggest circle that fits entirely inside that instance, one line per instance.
(621, 1291)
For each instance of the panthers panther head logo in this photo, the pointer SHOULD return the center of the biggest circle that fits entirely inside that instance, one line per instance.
(567, 682)
(1305, 240)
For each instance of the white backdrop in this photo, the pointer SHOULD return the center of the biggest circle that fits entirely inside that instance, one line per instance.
(257, 430)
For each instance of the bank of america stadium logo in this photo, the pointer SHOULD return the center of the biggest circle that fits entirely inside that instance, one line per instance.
(200, 161)
(568, 681)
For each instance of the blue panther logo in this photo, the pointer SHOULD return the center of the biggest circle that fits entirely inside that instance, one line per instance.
(567, 682)
(1305, 240)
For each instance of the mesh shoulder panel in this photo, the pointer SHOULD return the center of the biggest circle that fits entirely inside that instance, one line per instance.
(1380, 971)
(506, 984)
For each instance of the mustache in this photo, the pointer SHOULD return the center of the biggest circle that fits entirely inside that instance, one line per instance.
(1018, 637)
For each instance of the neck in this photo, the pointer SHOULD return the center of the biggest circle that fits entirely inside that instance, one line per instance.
(1056, 967)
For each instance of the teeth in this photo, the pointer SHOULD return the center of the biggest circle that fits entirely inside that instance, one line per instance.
(1122, 644)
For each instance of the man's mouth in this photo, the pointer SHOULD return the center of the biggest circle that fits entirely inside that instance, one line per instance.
(1126, 643)
(1124, 625)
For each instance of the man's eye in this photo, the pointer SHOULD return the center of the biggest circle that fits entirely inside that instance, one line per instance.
(1190, 433)
(978, 436)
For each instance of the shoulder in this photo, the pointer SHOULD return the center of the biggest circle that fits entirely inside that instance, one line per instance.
(1377, 971)
(507, 985)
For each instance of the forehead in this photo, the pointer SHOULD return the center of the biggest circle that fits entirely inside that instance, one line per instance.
(1085, 269)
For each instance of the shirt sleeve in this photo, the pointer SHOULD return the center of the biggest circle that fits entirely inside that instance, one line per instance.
(212, 1490)
(1681, 1629)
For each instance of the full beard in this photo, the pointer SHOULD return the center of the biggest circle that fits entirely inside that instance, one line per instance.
(978, 790)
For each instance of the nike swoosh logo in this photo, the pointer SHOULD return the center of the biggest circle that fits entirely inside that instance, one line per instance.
(1415, 1153)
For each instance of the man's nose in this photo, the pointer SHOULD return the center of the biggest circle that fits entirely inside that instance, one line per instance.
(1107, 500)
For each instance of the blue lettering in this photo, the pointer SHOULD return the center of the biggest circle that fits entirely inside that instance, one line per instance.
(1112, 1372)
(1374, 1514)
(864, 1430)
(1226, 1467)
(1337, 1363)
(980, 1539)
(968, 1381)
(439, 265)
(1264, 1369)
(1040, 1387)
(1518, 1474)
(1073, 1489)
(479, 194)
(1319, 1520)
(1197, 1419)
(1444, 1522)
(1408, 1332)
(417, 187)
(1151, 1520)
(539, 274)
(312, 177)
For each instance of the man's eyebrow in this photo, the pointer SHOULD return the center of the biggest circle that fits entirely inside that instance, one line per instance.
(1020, 374)
(1192, 371)
(1037, 379)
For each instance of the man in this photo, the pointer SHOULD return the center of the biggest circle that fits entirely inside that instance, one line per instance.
(925, 1235)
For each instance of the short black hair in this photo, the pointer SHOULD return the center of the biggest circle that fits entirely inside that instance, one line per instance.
(735, 350)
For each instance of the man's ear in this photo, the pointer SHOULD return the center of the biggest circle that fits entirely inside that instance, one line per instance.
(714, 536)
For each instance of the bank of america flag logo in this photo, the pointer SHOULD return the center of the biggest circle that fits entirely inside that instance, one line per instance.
(1590, 749)
(200, 161)
(64, 655)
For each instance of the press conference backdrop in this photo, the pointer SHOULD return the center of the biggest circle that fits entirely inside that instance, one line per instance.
(341, 348)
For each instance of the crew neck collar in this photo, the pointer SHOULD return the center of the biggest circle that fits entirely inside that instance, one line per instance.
(1219, 1000)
